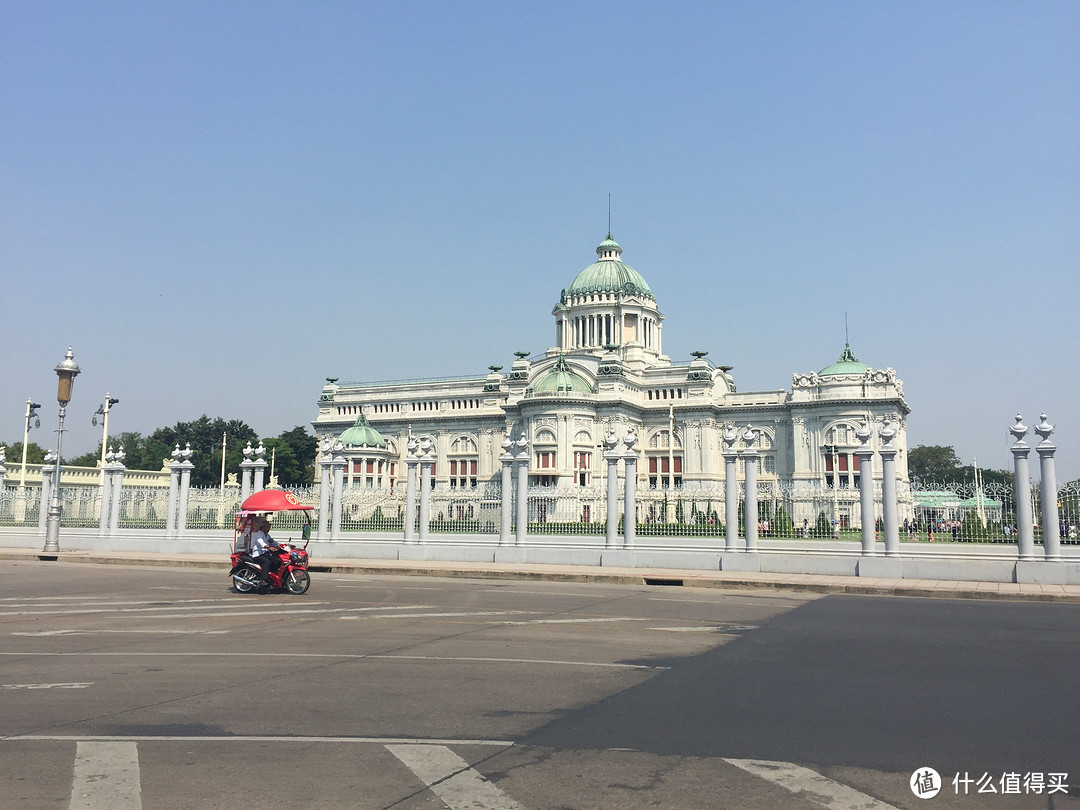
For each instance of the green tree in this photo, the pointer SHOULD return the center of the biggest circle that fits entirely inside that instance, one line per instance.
(204, 435)
(784, 527)
(302, 447)
(34, 454)
(822, 528)
(933, 463)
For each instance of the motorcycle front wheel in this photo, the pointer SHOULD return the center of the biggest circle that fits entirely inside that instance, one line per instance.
(297, 581)
(246, 580)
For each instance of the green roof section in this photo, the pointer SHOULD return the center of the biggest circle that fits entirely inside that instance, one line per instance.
(362, 434)
(609, 274)
(847, 364)
(560, 379)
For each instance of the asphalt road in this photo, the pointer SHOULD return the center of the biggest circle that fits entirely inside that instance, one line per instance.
(136, 687)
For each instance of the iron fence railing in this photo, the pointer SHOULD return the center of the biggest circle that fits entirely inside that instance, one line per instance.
(929, 511)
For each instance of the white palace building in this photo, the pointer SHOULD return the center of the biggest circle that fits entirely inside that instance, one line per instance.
(607, 372)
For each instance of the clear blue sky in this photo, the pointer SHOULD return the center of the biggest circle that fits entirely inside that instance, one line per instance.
(218, 204)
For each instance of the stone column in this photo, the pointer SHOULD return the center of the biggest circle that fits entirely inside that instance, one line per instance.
(337, 465)
(888, 490)
(410, 492)
(46, 489)
(750, 508)
(259, 466)
(117, 475)
(630, 490)
(522, 445)
(506, 495)
(427, 461)
(325, 459)
(246, 473)
(865, 454)
(612, 456)
(731, 489)
(1022, 488)
(174, 494)
(185, 483)
(106, 494)
(1048, 487)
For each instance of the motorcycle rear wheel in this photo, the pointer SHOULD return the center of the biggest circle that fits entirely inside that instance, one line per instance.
(297, 582)
(246, 580)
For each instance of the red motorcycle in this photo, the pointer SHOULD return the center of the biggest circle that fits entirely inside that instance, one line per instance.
(288, 564)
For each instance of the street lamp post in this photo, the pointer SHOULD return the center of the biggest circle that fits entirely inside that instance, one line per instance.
(103, 412)
(31, 413)
(66, 370)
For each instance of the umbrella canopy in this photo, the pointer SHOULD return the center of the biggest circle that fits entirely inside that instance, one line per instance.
(272, 500)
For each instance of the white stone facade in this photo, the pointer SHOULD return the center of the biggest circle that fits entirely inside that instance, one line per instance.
(606, 373)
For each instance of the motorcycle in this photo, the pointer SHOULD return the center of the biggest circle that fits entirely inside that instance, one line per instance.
(288, 568)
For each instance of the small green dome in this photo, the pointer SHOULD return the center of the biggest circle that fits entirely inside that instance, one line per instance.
(362, 434)
(560, 379)
(847, 364)
(609, 274)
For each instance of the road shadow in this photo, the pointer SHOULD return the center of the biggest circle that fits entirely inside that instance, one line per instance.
(875, 682)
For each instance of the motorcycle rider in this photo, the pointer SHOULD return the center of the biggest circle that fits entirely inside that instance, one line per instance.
(262, 549)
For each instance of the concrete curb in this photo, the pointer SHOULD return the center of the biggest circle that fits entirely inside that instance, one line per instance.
(637, 576)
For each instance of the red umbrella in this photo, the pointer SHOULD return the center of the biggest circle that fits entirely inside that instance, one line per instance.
(272, 500)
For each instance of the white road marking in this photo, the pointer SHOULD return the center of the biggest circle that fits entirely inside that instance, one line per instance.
(440, 615)
(106, 777)
(451, 779)
(583, 621)
(547, 593)
(40, 633)
(45, 685)
(245, 738)
(810, 785)
(521, 661)
(715, 628)
(141, 610)
(341, 657)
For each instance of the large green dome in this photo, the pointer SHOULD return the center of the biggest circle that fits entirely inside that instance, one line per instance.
(847, 364)
(362, 434)
(609, 274)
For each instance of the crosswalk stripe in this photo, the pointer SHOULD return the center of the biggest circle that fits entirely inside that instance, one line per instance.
(451, 779)
(106, 777)
(811, 785)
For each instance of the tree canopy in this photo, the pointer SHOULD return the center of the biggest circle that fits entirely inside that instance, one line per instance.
(293, 452)
(933, 464)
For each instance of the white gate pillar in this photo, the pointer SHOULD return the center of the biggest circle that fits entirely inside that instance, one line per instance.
(731, 489)
(427, 461)
(865, 454)
(506, 495)
(522, 490)
(1022, 487)
(1051, 528)
(750, 509)
(630, 490)
(612, 456)
(410, 492)
(888, 490)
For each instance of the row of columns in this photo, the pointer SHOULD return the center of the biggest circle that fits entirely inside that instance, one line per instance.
(629, 456)
(252, 470)
(112, 484)
(1051, 530)
(179, 485)
(331, 486)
